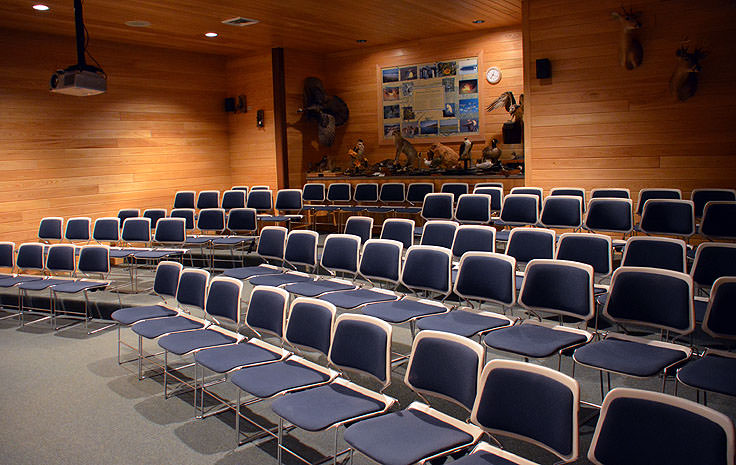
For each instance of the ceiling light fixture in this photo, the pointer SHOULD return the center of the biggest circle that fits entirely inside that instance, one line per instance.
(210, 34)
(40, 7)
(478, 21)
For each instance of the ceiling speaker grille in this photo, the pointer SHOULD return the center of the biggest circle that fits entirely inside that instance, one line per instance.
(240, 21)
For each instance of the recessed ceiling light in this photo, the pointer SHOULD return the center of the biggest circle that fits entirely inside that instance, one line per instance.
(40, 7)
(361, 41)
(138, 23)
(210, 34)
(478, 21)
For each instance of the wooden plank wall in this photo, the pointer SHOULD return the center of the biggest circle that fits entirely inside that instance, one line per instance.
(159, 128)
(595, 124)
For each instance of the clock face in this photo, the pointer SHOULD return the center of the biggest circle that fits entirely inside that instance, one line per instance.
(493, 75)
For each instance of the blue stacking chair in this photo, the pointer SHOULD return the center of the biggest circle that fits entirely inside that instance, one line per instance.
(135, 230)
(439, 232)
(365, 193)
(648, 298)
(658, 194)
(473, 209)
(496, 194)
(77, 229)
(188, 215)
(535, 191)
(126, 213)
(438, 206)
(473, 238)
(517, 210)
(7, 258)
(701, 197)
(488, 184)
(301, 250)
(288, 207)
(360, 345)
(154, 214)
(573, 191)
(361, 226)
(271, 245)
(241, 225)
(441, 365)
(641, 427)
(392, 196)
(526, 402)
(712, 261)
(184, 199)
(398, 229)
(455, 188)
(30, 257)
(106, 230)
(527, 244)
(415, 193)
(672, 217)
(261, 200)
(240, 188)
(233, 199)
(719, 221)
(608, 214)
(655, 252)
(556, 288)
(169, 232)
(341, 254)
(208, 199)
(593, 249)
(485, 277)
(339, 194)
(611, 193)
(313, 199)
(262, 187)
(50, 229)
(210, 222)
(713, 370)
(562, 212)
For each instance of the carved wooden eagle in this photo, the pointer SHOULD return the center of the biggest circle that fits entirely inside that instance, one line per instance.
(507, 100)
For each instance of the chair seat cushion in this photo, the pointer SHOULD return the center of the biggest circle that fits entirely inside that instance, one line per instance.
(356, 298)
(628, 357)
(79, 286)
(321, 407)
(272, 378)
(356, 208)
(380, 209)
(279, 279)
(315, 288)
(503, 235)
(250, 271)
(711, 373)
(322, 208)
(12, 281)
(187, 341)
(275, 218)
(233, 240)
(153, 254)
(404, 437)
(121, 253)
(41, 284)
(532, 340)
(462, 322)
(398, 311)
(409, 210)
(130, 315)
(700, 306)
(198, 240)
(154, 328)
(228, 357)
(483, 457)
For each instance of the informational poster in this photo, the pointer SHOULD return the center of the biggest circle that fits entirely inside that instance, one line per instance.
(429, 100)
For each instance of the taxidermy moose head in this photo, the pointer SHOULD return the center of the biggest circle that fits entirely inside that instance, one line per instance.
(630, 51)
(684, 81)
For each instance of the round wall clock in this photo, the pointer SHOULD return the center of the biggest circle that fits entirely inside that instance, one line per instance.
(493, 75)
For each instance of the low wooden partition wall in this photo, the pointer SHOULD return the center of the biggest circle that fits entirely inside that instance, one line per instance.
(508, 182)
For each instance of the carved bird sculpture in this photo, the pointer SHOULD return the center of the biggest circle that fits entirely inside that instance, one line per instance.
(507, 101)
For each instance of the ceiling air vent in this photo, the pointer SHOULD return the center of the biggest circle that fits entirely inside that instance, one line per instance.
(240, 21)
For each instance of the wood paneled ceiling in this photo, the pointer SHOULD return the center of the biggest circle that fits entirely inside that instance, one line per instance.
(314, 25)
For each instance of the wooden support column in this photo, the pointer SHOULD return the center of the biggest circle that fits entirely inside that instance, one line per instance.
(279, 117)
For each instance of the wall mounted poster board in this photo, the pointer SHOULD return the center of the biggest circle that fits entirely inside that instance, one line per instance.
(437, 100)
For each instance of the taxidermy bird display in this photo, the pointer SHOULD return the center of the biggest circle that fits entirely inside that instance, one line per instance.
(507, 100)
(328, 110)
(492, 152)
(465, 148)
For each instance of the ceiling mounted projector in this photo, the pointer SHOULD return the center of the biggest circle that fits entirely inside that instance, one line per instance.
(80, 79)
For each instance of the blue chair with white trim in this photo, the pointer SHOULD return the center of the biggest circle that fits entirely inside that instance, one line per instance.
(208, 199)
(30, 257)
(439, 232)
(398, 229)
(233, 199)
(50, 229)
(672, 217)
(126, 213)
(701, 197)
(271, 245)
(527, 244)
(496, 194)
(261, 200)
(436, 206)
(184, 199)
(106, 230)
(361, 226)
(77, 229)
(154, 214)
(562, 212)
(719, 221)
(573, 191)
(656, 193)
(473, 209)
(301, 250)
(415, 193)
(712, 261)
(188, 215)
(59, 267)
(610, 192)
(341, 254)
(242, 224)
(517, 210)
(455, 188)
(288, 208)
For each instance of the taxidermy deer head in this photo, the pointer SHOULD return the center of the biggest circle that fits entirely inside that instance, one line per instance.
(684, 81)
(630, 51)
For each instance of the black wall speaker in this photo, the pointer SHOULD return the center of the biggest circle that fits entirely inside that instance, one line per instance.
(544, 68)
(230, 105)
(259, 118)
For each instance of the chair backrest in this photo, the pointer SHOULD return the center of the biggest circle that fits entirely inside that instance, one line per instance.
(339, 192)
(362, 344)
(60, 258)
(49, 228)
(94, 259)
(7, 255)
(223, 299)
(126, 213)
(361, 226)
(106, 229)
(720, 318)
(154, 214)
(398, 229)
(428, 268)
(416, 191)
(526, 244)
(381, 260)
(166, 279)
(272, 242)
(242, 220)
(30, 256)
(713, 260)
(266, 311)
(261, 200)
(341, 253)
(301, 248)
(77, 229)
(593, 249)
(313, 192)
(445, 365)
(184, 199)
(473, 209)
(719, 220)
(531, 403)
(208, 199)
(656, 193)
(520, 209)
(667, 216)
(610, 192)
(496, 194)
(366, 192)
(651, 297)
(310, 324)
(455, 188)
(610, 215)
(260, 188)
(655, 252)
(187, 214)
(439, 232)
(289, 200)
(536, 191)
(574, 191)
(473, 238)
(233, 199)
(437, 206)
(488, 184)
(136, 230)
(559, 287)
(393, 192)
(562, 211)
(240, 188)
(643, 427)
(700, 197)
(192, 288)
(211, 219)
(487, 277)
(170, 231)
